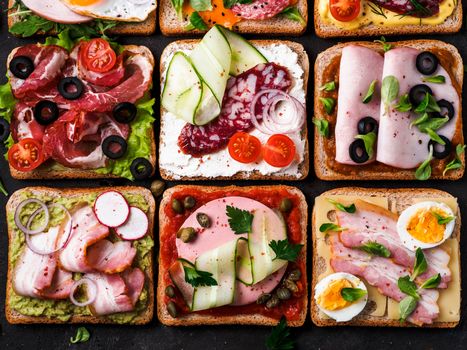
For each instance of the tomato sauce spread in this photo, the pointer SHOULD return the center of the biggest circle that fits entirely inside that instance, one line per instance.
(291, 308)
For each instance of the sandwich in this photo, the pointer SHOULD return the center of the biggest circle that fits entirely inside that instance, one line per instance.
(80, 256)
(79, 109)
(389, 111)
(81, 18)
(232, 255)
(248, 119)
(386, 258)
(335, 18)
(281, 17)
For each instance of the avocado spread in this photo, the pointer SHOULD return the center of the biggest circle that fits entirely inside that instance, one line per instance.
(65, 309)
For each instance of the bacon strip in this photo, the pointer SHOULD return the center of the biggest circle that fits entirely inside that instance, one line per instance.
(109, 257)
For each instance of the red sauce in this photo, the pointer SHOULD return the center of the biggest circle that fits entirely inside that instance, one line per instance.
(168, 251)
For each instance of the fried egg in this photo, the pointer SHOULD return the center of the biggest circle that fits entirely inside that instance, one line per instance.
(418, 226)
(330, 301)
(117, 10)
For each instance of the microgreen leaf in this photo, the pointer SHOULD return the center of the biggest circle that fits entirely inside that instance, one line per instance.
(375, 248)
(420, 264)
(196, 22)
(382, 41)
(369, 142)
(435, 137)
(456, 163)
(322, 125)
(352, 294)
(432, 282)
(329, 86)
(347, 209)
(437, 79)
(328, 226)
(403, 105)
(442, 220)
(406, 307)
(423, 172)
(370, 92)
(389, 89)
(82, 336)
(292, 12)
(328, 104)
(407, 286)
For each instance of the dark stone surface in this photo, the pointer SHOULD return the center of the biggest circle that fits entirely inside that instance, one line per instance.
(156, 336)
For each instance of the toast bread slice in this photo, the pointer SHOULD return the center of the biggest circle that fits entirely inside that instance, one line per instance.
(303, 61)
(400, 199)
(46, 171)
(14, 317)
(147, 27)
(328, 30)
(323, 62)
(198, 319)
(279, 25)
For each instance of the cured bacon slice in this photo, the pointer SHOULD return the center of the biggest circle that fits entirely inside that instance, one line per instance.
(61, 286)
(260, 9)
(134, 280)
(109, 257)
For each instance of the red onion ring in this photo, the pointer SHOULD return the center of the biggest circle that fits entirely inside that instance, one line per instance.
(93, 291)
(26, 229)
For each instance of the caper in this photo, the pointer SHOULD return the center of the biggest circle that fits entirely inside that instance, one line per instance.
(286, 205)
(177, 206)
(295, 275)
(189, 202)
(291, 285)
(283, 293)
(272, 302)
(263, 298)
(186, 234)
(157, 187)
(203, 220)
(172, 309)
(170, 291)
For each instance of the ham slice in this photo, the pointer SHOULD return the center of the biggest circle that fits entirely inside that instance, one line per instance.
(399, 145)
(134, 280)
(109, 257)
(359, 66)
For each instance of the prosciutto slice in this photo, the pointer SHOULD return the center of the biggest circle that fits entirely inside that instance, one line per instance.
(23, 124)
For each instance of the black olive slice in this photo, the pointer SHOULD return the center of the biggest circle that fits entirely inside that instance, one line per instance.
(4, 130)
(21, 67)
(446, 149)
(357, 151)
(367, 125)
(124, 112)
(114, 146)
(447, 109)
(417, 93)
(46, 112)
(141, 168)
(427, 63)
(71, 88)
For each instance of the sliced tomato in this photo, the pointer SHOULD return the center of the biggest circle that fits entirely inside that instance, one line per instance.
(279, 151)
(98, 56)
(26, 155)
(244, 148)
(344, 10)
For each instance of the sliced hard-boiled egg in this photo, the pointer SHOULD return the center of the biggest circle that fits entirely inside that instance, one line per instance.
(329, 299)
(425, 225)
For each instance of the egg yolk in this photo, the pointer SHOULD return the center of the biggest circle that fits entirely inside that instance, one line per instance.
(424, 226)
(331, 299)
(83, 2)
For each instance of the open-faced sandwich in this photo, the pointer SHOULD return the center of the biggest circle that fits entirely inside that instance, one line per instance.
(337, 18)
(80, 256)
(385, 257)
(232, 255)
(79, 110)
(233, 109)
(389, 111)
(82, 17)
(278, 17)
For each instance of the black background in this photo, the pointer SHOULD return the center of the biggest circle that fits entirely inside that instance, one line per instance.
(156, 336)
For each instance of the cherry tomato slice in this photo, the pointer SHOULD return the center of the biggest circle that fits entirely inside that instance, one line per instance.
(279, 151)
(244, 148)
(98, 56)
(26, 155)
(344, 10)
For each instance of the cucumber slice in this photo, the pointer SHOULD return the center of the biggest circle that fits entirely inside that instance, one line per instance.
(244, 55)
(177, 275)
(244, 273)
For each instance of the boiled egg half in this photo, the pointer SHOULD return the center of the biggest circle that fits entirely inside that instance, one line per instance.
(421, 225)
(329, 299)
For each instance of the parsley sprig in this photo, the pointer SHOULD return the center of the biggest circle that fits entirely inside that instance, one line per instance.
(240, 221)
(285, 250)
(198, 278)
(280, 338)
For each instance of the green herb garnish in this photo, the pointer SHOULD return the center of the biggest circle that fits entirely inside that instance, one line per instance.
(292, 12)
(229, 3)
(376, 249)
(328, 104)
(437, 79)
(432, 123)
(456, 163)
(423, 172)
(420, 264)
(196, 22)
(201, 5)
(352, 294)
(435, 137)
(407, 286)
(322, 125)
(389, 90)
(370, 92)
(428, 105)
(82, 336)
(441, 219)
(406, 307)
(240, 221)
(382, 41)
(331, 227)
(329, 86)
(404, 104)
(198, 278)
(369, 142)
(178, 6)
(285, 250)
(3, 189)
(432, 282)
(280, 338)
(347, 209)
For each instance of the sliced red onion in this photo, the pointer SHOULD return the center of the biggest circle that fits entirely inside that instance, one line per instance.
(271, 122)
(91, 291)
(26, 229)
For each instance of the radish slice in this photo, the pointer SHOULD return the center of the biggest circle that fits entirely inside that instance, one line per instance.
(111, 209)
(135, 227)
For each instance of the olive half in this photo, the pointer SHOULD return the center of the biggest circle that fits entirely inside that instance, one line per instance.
(124, 112)
(21, 67)
(4, 130)
(114, 146)
(447, 109)
(445, 150)
(367, 125)
(427, 63)
(358, 152)
(71, 88)
(45, 112)
(418, 92)
(141, 168)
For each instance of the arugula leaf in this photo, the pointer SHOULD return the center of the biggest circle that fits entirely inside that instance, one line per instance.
(370, 92)
(178, 6)
(3, 189)
(30, 25)
(196, 22)
(441, 219)
(404, 104)
(322, 125)
(201, 5)
(7, 102)
(456, 163)
(389, 89)
(407, 286)
(428, 105)
(352, 294)
(328, 104)
(423, 172)
(329, 86)
(331, 227)
(198, 278)
(437, 79)
(406, 307)
(280, 338)
(292, 12)
(347, 209)
(240, 221)
(369, 141)
(382, 41)
(432, 282)
(82, 336)
(285, 250)
(375, 248)
(420, 264)
(435, 137)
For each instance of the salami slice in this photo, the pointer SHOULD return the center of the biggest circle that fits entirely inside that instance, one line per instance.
(260, 9)
(235, 114)
(414, 8)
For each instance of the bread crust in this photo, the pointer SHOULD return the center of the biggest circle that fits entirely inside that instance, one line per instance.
(14, 317)
(322, 170)
(196, 319)
(401, 195)
(171, 25)
(328, 30)
(304, 167)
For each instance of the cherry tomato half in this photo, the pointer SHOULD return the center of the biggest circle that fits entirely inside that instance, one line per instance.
(26, 155)
(244, 148)
(98, 56)
(279, 151)
(344, 10)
